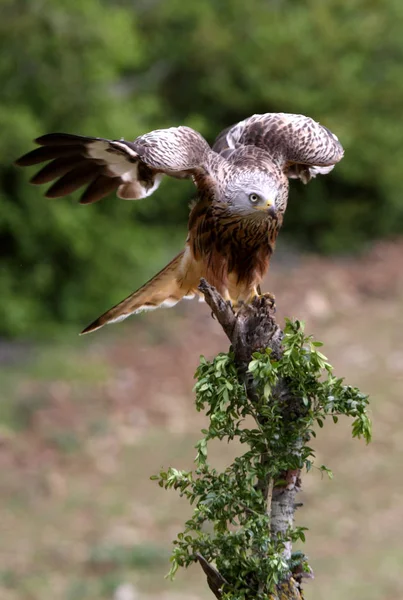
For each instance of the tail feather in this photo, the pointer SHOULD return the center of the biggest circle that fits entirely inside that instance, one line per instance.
(163, 289)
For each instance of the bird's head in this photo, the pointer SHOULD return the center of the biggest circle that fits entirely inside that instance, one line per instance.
(255, 193)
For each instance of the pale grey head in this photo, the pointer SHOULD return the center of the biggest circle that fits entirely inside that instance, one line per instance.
(256, 193)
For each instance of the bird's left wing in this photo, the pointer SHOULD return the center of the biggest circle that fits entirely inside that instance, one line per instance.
(132, 169)
(299, 145)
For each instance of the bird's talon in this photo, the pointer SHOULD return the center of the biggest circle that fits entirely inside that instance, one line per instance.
(271, 299)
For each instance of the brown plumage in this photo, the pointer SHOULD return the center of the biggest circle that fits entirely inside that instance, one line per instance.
(242, 191)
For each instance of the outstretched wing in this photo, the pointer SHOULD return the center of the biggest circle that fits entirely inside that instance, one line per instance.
(299, 145)
(133, 169)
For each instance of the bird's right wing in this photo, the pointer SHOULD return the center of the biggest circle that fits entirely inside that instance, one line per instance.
(299, 145)
(132, 169)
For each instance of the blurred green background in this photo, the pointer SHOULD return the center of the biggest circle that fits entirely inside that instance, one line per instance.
(84, 422)
(114, 69)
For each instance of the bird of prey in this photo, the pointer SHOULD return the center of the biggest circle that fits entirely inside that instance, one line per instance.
(242, 191)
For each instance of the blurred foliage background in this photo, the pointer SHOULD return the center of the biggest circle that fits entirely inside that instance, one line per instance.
(85, 421)
(120, 68)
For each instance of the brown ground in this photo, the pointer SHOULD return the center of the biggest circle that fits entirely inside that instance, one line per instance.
(83, 424)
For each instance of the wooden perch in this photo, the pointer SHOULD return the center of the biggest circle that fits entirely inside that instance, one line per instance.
(214, 579)
(254, 328)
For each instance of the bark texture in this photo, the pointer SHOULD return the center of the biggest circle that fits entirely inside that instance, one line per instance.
(251, 329)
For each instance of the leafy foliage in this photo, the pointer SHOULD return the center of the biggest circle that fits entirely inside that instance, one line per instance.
(122, 68)
(231, 522)
(62, 262)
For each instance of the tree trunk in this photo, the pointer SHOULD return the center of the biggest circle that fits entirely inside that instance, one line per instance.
(251, 329)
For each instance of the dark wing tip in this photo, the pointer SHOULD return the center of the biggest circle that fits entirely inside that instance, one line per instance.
(23, 161)
(53, 145)
(97, 324)
(50, 152)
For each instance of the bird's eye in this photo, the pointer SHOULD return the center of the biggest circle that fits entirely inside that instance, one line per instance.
(254, 198)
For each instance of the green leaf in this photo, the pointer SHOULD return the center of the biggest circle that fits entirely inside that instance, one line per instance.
(229, 523)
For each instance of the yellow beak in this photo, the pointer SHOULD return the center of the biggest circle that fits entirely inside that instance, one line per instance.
(266, 206)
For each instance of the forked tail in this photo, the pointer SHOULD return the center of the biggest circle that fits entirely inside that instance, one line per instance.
(163, 289)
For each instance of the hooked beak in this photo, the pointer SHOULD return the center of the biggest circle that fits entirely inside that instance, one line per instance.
(268, 207)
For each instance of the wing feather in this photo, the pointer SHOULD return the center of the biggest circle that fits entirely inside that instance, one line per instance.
(299, 145)
(134, 169)
(99, 188)
(45, 153)
(73, 180)
(56, 168)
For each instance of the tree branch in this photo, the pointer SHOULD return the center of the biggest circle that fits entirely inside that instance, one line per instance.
(214, 579)
(287, 386)
(251, 329)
